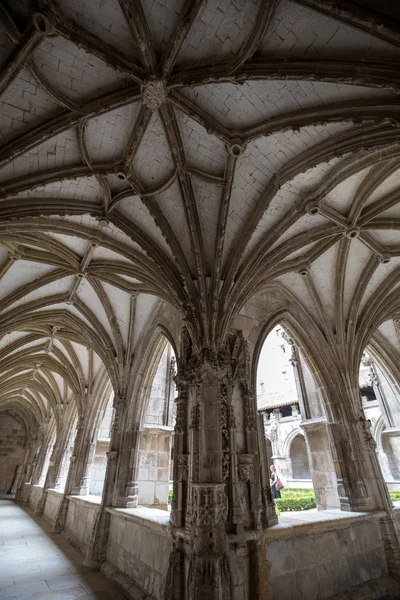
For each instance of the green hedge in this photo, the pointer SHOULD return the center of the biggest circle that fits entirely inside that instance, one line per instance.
(297, 493)
(394, 494)
(170, 496)
(305, 503)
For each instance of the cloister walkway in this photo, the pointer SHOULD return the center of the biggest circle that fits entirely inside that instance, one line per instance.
(36, 564)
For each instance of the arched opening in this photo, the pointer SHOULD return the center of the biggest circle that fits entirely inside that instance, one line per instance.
(156, 447)
(380, 401)
(99, 463)
(292, 405)
(299, 459)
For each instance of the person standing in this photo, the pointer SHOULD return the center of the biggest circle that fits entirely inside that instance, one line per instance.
(275, 483)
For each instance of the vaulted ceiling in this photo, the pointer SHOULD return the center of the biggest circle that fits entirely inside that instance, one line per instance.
(194, 152)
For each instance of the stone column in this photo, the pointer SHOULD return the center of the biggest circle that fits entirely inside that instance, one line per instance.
(219, 503)
(72, 476)
(322, 466)
(27, 468)
(113, 487)
(54, 467)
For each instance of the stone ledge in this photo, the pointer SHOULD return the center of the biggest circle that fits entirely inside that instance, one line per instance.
(55, 491)
(324, 521)
(96, 500)
(153, 518)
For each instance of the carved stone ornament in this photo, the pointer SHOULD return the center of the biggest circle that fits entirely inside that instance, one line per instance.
(183, 466)
(180, 417)
(209, 505)
(112, 455)
(225, 464)
(195, 417)
(154, 94)
(245, 467)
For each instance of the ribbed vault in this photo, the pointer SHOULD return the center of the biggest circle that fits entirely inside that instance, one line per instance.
(195, 154)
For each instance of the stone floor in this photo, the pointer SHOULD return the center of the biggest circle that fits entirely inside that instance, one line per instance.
(36, 564)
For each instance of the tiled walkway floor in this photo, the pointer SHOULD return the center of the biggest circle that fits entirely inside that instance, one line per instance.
(36, 564)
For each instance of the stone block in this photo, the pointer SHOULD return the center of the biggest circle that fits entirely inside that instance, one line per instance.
(307, 584)
(147, 493)
(284, 587)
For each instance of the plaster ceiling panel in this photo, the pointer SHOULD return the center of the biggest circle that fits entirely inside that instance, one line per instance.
(83, 357)
(261, 159)
(145, 304)
(296, 31)
(24, 105)
(10, 338)
(241, 106)
(76, 244)
(220, 29)
(120, 302)
(203, 150)
(61, 286)
(162, 17)
(104, 19)
(386, 236)
(105, 254)
(390, 184)
(302, 225)
(153, 161)
(171, 203)
(294, 283)
(301, 252)
(341, 197)
(133, 209)
(323, 273)
(82, 188)
(69, 308)
(107, 136)
(57, 152)
(208, 199)
(88, 295)
(379, 275)
(388, 330)
(21, 273)
(391, 213)
(357, 260)
(74, 72)
(286, 197)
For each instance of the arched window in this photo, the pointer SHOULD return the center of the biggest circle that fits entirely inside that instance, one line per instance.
(299, 458)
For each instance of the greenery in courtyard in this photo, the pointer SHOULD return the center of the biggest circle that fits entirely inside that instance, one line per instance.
(296, 499)
(299, 499)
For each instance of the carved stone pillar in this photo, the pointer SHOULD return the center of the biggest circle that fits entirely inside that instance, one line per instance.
(113, 488)
(218, 511)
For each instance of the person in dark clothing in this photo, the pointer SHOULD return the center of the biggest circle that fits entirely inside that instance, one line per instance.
(273, 481)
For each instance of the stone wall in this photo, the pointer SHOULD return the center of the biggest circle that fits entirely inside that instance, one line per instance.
(12, 453)
(98, 468)
(321, 559)
(139, 546)
(82, 513)
(155, 466)
(53, 501)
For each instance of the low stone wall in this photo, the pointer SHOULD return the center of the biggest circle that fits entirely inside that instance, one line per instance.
(35, 495)
(53, 501)
(81, 516)
(321, 559)
(139, 547)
